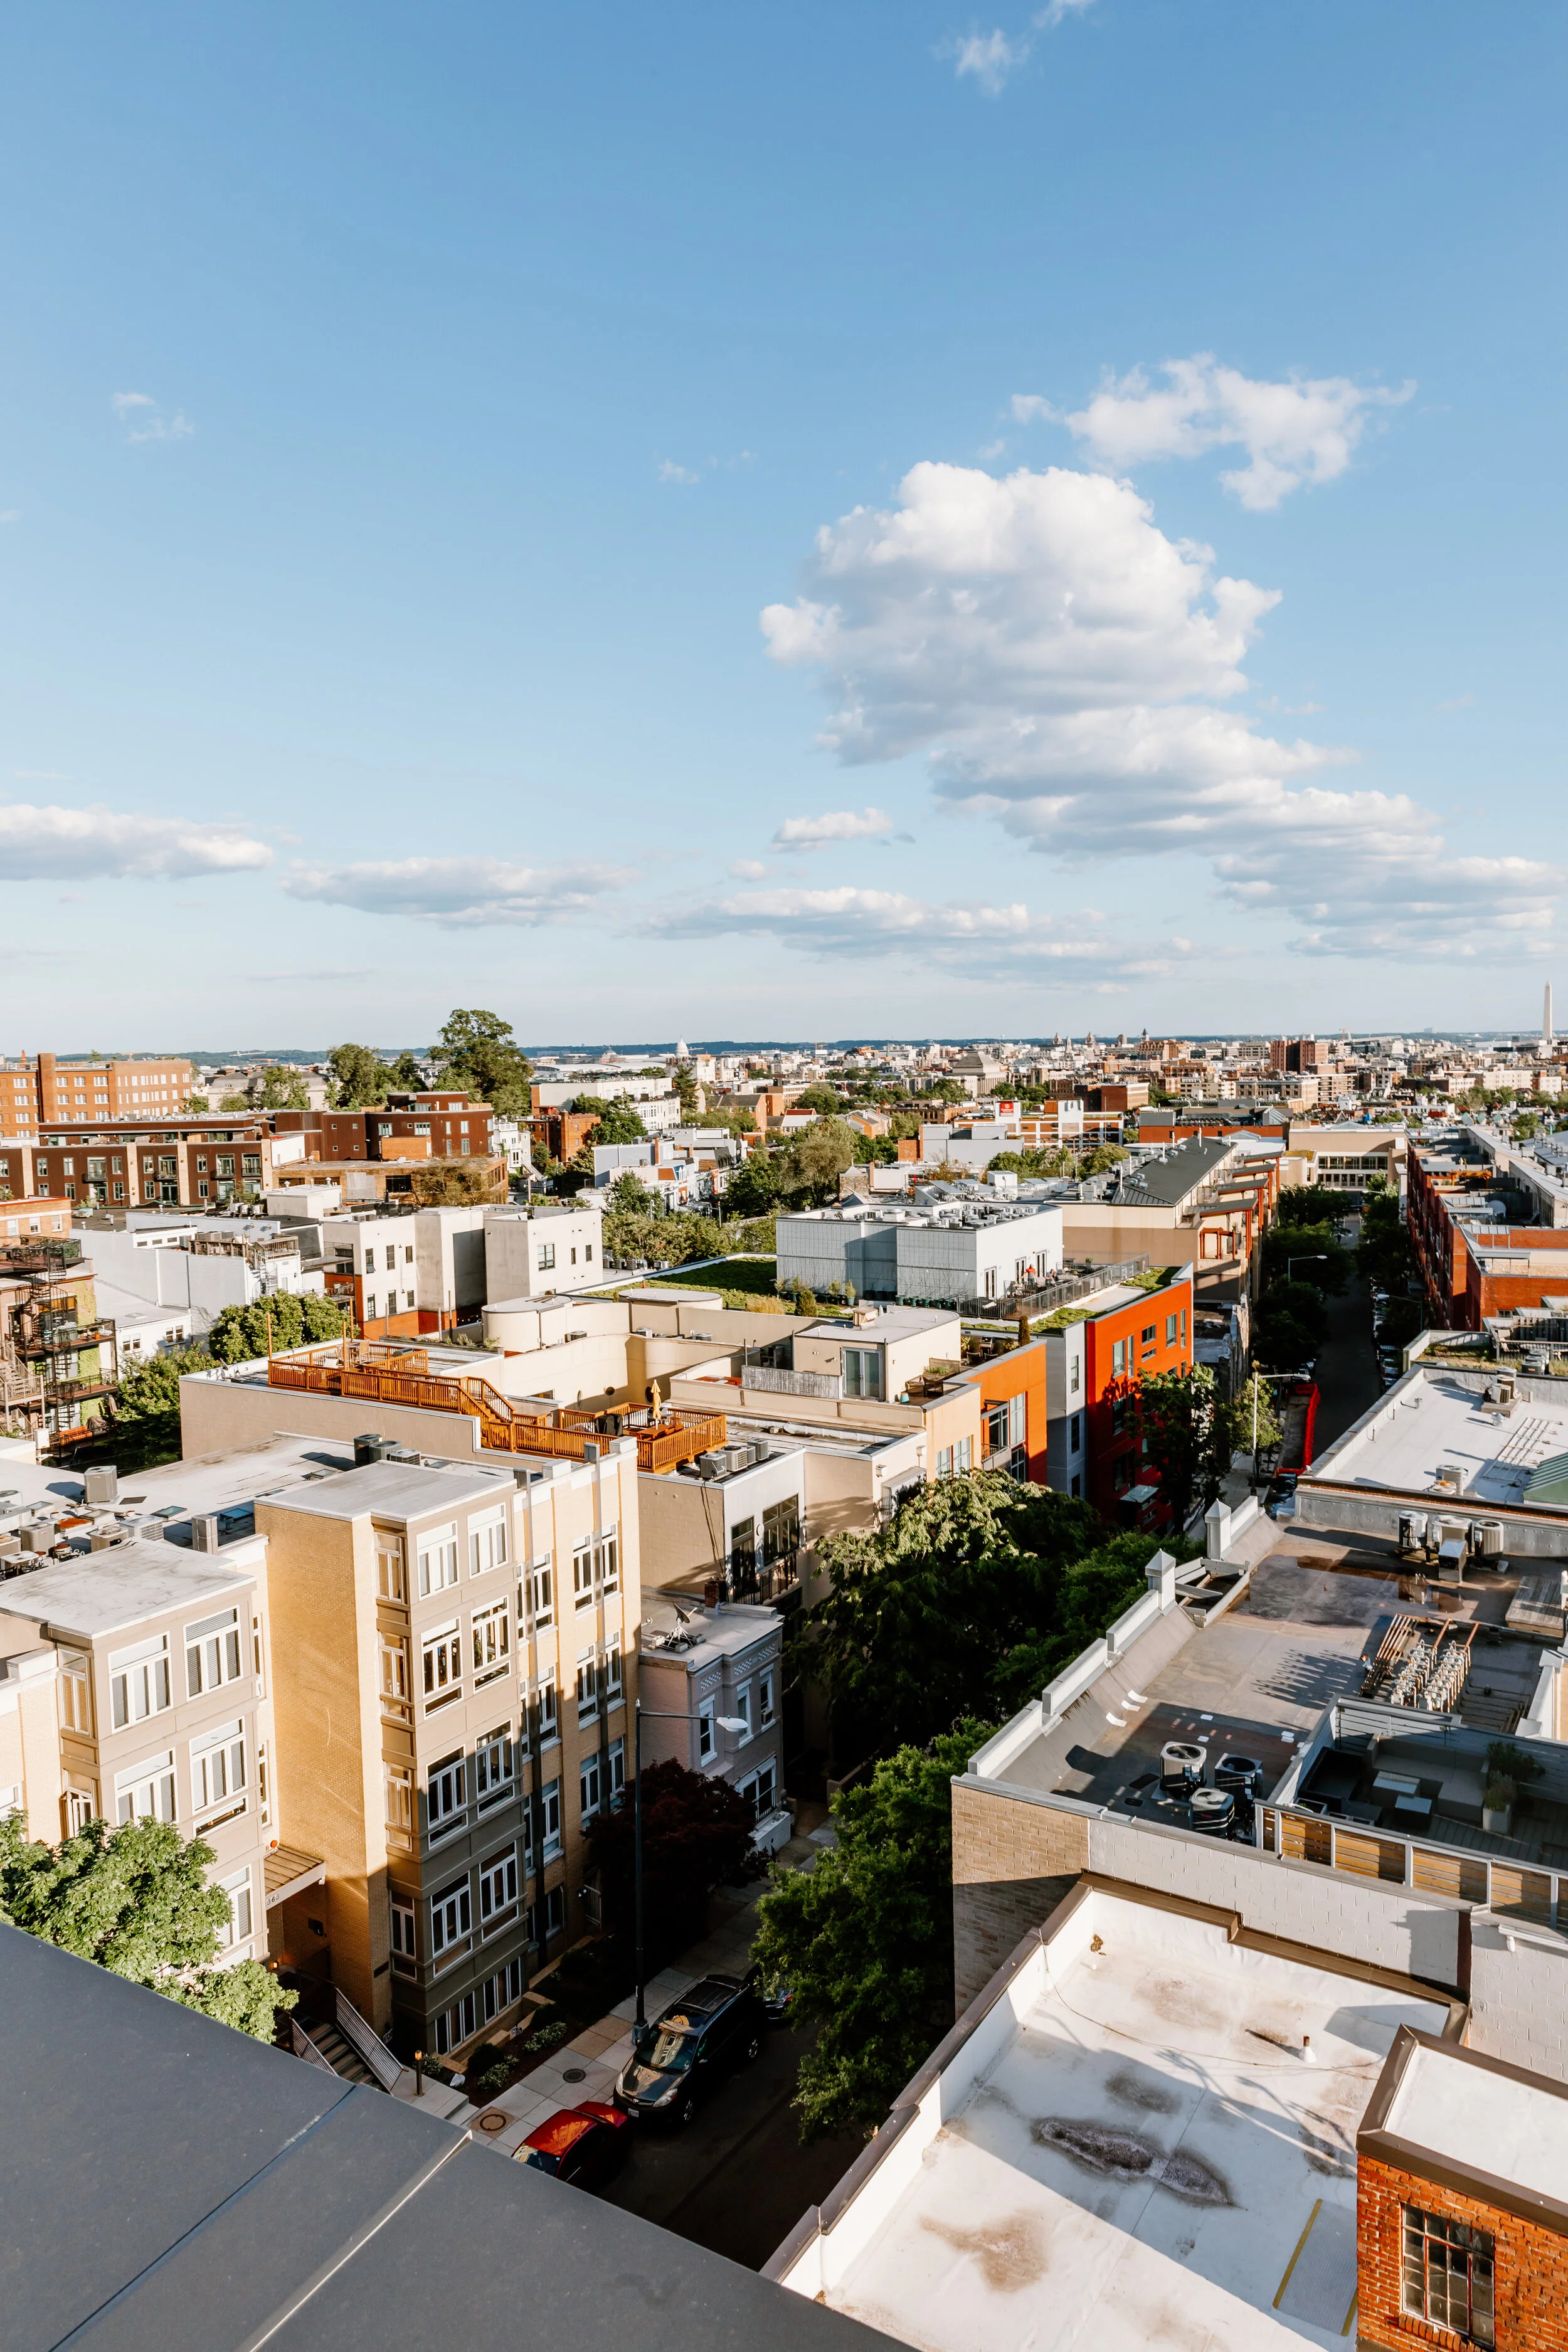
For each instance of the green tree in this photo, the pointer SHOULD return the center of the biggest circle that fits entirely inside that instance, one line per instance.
(1289, 1326)
(283, 1090)
(619, 1121)
(1307, 1204)
(865, 1937)
(142, 1427)
(947, 1090)
(359, 1078)
(196, 1104)
(1384, 1256)
(957, 1607)
(136, 1900)
(1189, 1435)
(1315, 1250)
(269, 1327)
(234, 1102)
(477, 1050)
(817, 1157)
(823, 1099)
(696, 1831)
(688, 1092)
(904, 1126)
(1102, 1160)
(756, 1186)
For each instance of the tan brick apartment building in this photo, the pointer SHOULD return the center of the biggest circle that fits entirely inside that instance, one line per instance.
(40, 1090)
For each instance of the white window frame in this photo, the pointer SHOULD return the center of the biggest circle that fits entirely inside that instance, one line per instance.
(437, 1559)
(403, 1934)
(610, 1560)
(547, 1698)
(495, 1770)
(587, 1686)
(582, 1573)
(140, 1671)
(451, 1922)
(765, 1698)
(218, 1778)
(491, 1631)
(500, 1887)
(542, 1591)
(550, 1819)
(445, 1797)
(742, 1705)
(395, 1694)
(391, 1567)
(76, 1693)
(213, 1653)
(487, 1542)
(705, 1732)
(241, 1923)
(590, 1785)
(397, 1790)
(441, 1665)
(618, 1770)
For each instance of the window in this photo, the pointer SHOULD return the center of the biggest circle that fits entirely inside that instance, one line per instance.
(487, 1544)
(404, 1957)
(764, 1700)
(256, 1654)
(497, 1889)
(589, 1781)
(76, 1696)
(549, 1818)
(765, 1799)
(369, 1313)
(587, 1253)
(613, 1666)
(494, 1769)
(81, 1807)
(1076, 1489)
(1017, 1410)
(964, 1456)
(862, 1371)
(1446, 2275)
(1119, 1360)
(397, 1787)
(492, 1642)
(996, 1427)
(236, 1928)
(446, 1796)
(543, 1592)
(582, 1576)
(944, 1462)
(587, 1687)
(443, 1660)
(1075, 1434)
(1146, 1340)
(545, 1259)
(705, 1730)
(1170, 1328)
(438, 1551)
(781, 1530)
(147, 1791)
(546, 1714)
(218, 1770)
(391, 1581)
(212, 1652)
(618, 1770)
(138, 1681)
(393, 1679)
(451, 1919)
(743, 1709)
(610, 1559)
(547, 1918)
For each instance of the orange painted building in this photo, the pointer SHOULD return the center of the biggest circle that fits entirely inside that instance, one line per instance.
(1094, 1362)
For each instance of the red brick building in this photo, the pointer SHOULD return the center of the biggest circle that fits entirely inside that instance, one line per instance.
(190, 1162)
(1461, 2203)
(40, 1090)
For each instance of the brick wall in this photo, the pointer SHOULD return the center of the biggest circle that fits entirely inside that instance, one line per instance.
(1530, 2284)
(1012, 1864)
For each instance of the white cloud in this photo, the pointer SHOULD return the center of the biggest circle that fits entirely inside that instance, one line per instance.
(747, 869)
(800, 833)
(10, 514)
(988, 58)
(1065, 668)
(144, 420)
(460, 893)
(1304, 429)
(668, 471)
(1058, 12)
(972, 940)
(43, 843)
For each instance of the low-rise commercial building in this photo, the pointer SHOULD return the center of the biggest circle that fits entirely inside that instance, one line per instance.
(941, 1250)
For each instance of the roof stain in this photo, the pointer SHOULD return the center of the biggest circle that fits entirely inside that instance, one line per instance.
(1011, 2251)
(1126, 2157)
(1145, 2092)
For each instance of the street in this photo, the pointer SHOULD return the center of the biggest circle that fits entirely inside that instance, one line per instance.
(737, 2180)
(1348, 1383)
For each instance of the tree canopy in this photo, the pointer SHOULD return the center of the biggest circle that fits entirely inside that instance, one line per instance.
(863, 1938)
(282, 1088)
(978, 1590)
(1383, 1254)
(240, 1334)
(822, 1098)
(136, 1900)
(360, 1077)
(1190, 1432)
(1314, 1249)
(477, 1050)
(619, 1121)
(697, 1831)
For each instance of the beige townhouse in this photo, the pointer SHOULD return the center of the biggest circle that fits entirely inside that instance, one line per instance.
(457, 1646)
(134, 1681)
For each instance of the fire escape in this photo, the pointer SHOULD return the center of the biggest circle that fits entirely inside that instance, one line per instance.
(54, 1362)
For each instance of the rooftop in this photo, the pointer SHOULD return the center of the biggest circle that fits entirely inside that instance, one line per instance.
(1471, 2112)
(1430, 1421)
(104, 1591)
(1124, 2142)
(396, 1490)
(694, 1637)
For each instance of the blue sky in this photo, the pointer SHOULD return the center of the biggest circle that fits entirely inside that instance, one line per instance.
(853, 519)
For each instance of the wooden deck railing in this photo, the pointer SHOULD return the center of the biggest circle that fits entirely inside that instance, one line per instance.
(383, 1373)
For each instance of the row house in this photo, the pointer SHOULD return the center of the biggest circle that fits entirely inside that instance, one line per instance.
(1093, 1360)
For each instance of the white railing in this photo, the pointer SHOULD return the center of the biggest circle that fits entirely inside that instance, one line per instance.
(365, 2039)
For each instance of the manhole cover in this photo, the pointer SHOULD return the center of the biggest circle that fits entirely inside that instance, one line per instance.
(573, 2074)
(493, 2121)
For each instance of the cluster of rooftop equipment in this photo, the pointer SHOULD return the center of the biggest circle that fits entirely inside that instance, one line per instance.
(1217, 1808)
(726, 1460)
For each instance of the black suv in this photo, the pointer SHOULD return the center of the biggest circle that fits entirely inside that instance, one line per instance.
(677, 2059)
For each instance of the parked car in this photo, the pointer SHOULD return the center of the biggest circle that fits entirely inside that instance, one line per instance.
(1281, 1489)
(581, 2145)
(678, 2059)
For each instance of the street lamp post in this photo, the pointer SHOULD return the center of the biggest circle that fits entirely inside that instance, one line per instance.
(659, 1715)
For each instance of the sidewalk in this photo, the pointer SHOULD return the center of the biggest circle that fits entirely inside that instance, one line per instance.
(587, 2066)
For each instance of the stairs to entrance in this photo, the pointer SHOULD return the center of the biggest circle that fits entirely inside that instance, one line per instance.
(341, 2054)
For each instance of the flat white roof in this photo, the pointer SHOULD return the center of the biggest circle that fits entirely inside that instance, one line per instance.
(111, 1589)
(395, 1490)
(1483, 2121)
(1129, 2150)
(1426, 1421)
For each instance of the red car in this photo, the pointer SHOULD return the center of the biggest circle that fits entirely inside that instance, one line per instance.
(581, 2144)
